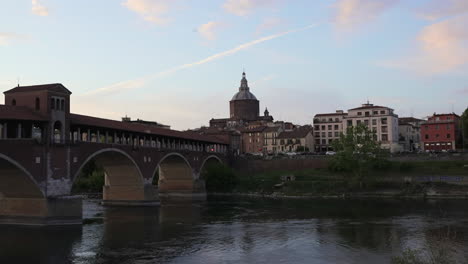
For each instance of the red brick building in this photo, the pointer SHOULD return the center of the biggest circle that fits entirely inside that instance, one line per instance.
(440, 132)
(253, 139)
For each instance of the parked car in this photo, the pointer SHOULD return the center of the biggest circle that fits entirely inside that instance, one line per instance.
(330, 153)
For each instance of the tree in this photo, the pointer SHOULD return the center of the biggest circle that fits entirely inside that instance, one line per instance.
(464, 128)
(357, 153)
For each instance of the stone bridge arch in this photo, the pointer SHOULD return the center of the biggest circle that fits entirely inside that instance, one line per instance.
(209, 160)
(124, 181)
(176, 174)
(16, 181)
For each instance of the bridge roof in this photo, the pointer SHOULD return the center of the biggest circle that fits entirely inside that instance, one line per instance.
(77, 119)
(54, 87)
(9, 112)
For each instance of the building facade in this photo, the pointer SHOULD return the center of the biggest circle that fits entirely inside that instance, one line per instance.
(380, 119)
(297, 140)
(252, 139)
(327, 127)
(441, 132)
(409, 133)
(270, 137)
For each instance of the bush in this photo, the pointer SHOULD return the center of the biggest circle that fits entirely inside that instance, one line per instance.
(219, 178)
(91, 179)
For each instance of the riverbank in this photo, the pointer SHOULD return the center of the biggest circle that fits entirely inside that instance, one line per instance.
(432, 179)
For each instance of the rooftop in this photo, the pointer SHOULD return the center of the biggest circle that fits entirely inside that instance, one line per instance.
(76, 119)
(9, 112)
(54, 87)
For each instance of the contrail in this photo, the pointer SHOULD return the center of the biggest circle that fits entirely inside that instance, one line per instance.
(136, 83)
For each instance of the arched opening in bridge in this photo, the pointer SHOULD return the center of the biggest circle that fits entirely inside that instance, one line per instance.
(57, 132)
(217, 176)
(115, 173)
(175, 174)
(16, 181)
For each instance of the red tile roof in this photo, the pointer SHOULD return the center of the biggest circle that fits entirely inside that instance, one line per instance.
(9, 112)
(54, 87)
(76, 119)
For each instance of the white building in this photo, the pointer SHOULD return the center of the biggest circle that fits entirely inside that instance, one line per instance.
(382, 120)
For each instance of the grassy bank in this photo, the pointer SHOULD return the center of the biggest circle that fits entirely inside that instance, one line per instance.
(387, 180)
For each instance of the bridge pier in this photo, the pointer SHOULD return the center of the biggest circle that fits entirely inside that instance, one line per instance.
(128, 195)
(63, 210)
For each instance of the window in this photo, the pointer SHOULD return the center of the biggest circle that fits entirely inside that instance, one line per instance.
(38, 104)
(367, 113)
(337, 119)
(384, 129)
(52, 103)
(448, 127)
(13, 102)
(323, 134)
(426, 136)
(317, 127)
(358, 122)
(437, 135)
(359, 113)
(336, 127)
(330, 134)
(382, 112)
(366, 122)
(323, 127)
(62, 104)
(384, 121)
(317, 134)
(330, 119)
(375, 112)
(374, 122)
(317, 141)
(324, 141)
(337, 134)
(384, 137)
(350, 122)
(448, 135)
(329, 127)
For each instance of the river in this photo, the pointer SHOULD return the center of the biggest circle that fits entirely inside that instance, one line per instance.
(241, 230)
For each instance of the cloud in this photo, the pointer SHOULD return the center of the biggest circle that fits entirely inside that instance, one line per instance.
(39, 9)
(7, 38)
(208, 31)
(440, 47)
(136, 83)
(436, 9)
(245, 7)
(150, 10)
(351, 13)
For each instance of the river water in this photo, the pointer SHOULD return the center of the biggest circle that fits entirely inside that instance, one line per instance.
(240, 230)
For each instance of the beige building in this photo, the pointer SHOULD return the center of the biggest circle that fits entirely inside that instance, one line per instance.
(327, 127)
(299, 139)
(270, 139)
(409, 133)
(382, 120)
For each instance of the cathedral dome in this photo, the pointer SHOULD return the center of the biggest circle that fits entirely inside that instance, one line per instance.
(244, 91)
(244, 95)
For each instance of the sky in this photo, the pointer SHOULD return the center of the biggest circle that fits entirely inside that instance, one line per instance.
(179, 62)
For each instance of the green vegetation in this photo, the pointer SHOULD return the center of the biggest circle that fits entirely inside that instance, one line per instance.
(219, 178)
(464, 128)
(90, 180)
(358, 154)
